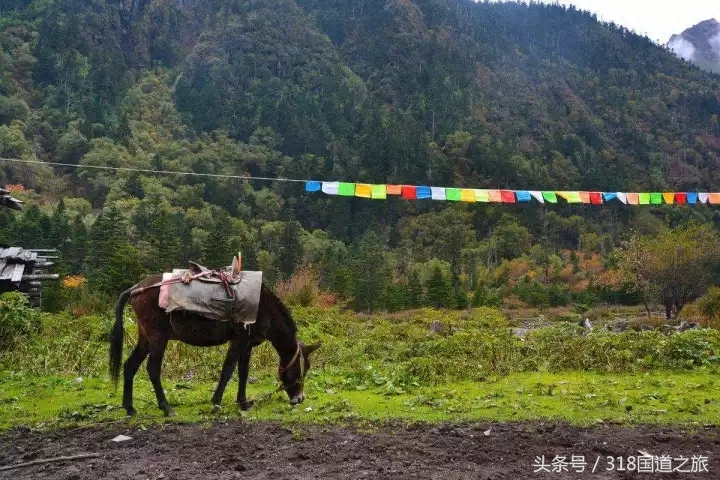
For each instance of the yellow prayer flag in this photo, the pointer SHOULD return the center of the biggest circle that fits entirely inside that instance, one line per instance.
(467, 195)
(570, 197)
(669, 197)
(363, 190)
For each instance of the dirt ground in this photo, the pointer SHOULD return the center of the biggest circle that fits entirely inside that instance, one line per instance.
(268, 451)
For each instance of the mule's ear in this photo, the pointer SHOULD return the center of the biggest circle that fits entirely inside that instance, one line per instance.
(308, 349)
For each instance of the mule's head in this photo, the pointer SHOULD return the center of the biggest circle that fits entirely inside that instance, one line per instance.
(293, 374)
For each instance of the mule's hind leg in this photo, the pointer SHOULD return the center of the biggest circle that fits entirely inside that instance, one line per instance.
(129, 370)
(243, 370)
(154, 367)
(231, 359)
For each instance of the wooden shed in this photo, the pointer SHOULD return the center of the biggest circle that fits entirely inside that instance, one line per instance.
(23, 269)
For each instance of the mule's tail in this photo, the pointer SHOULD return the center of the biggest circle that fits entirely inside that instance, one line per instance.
(116, 336)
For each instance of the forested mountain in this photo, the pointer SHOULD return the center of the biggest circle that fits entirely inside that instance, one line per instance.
(438, 92)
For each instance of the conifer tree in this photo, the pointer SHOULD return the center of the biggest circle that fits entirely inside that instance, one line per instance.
(438, 289)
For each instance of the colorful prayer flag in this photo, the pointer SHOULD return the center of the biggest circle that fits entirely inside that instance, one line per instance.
(681, 197)
(495, 196)
(393, 189)
(330, 188)
(585, 197)
(692, 197)
(409, 192)
(453, 194)
(644, 198)
(438, 193)
(346, 189)
(312, 186)
(363, 190)
(467, 195)
(703, 197)
(669, 197)
(570, 197)
(507, 196)
(550, 197)
(537, 196)
(596, 198)
(423, 193)
(523, 196)
(482, 196)
(656, 198)
(633, 198)
(379, 192)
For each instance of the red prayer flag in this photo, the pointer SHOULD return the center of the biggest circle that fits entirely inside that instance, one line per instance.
(596, 198)
(680, 197)
(507, 196)
(409, 192)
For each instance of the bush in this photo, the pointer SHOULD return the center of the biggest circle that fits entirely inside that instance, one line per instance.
(532, 292)
(705, 309)
(17, 319)
(301, 289)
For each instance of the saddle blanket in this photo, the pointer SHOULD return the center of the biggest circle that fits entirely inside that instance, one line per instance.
(209, 299)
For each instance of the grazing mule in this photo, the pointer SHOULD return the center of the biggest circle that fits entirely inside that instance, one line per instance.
(156, 327)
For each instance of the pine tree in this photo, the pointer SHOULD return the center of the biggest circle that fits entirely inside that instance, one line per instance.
(59, 227)
(113, 263)
(216, 251)
(370, 273)
(438, 289)
(414, 290)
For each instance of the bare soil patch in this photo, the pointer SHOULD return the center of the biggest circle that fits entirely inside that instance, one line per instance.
(271, 451)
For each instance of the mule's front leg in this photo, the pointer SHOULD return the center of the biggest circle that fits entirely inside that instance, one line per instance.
(243, 370)
(227, 370)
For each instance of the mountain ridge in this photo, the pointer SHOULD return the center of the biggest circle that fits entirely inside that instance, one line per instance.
(699, 44)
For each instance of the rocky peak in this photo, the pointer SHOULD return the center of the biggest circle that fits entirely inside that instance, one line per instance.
(699, 44)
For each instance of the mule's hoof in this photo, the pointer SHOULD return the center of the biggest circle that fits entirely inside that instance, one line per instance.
(131, 412)
(246, 405)
(170, 413)
(216, 408)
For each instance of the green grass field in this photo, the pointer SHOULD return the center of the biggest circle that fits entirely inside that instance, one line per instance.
(578, 397)
(374, 368)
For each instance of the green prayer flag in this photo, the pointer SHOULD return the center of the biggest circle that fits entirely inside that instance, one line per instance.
(644, 198)
(550, 197)
(379, 192)
(346, 189)
(656, 198)
(452, 194)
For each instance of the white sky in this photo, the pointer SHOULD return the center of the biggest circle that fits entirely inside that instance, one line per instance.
(658, 19)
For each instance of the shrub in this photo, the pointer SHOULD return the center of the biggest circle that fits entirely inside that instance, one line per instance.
(301, 289)
(17, 319)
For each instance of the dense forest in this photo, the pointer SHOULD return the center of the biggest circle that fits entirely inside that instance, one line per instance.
(433, 92)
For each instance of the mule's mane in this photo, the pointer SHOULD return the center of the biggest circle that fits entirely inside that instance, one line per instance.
(284, 311)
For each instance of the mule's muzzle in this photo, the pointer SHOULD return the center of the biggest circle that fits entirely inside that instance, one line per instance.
(297, 399)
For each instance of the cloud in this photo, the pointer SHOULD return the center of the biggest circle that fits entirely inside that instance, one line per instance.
(685, 49)
(715, 43)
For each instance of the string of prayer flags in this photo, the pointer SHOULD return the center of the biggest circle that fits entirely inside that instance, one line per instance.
(453, 194)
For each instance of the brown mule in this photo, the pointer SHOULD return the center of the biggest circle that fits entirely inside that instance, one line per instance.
(156, 327)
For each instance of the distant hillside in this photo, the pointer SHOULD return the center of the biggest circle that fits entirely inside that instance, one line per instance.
(699, 44)
(438, 92)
